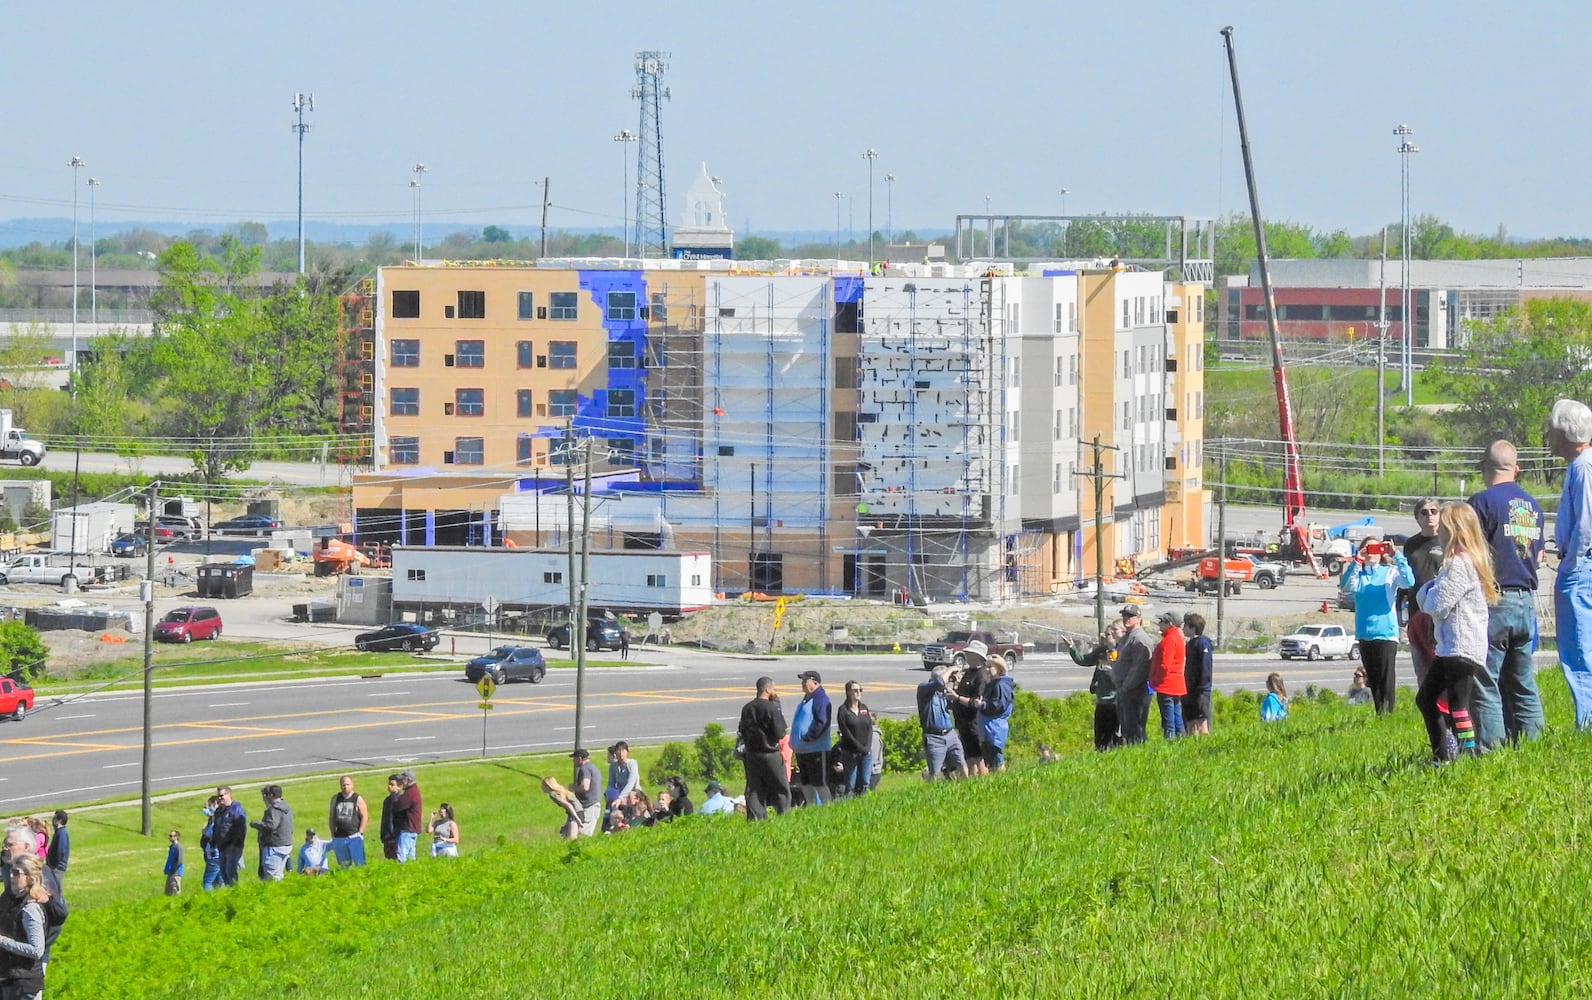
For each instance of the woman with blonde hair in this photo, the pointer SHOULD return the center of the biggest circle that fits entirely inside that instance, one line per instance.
(22, 926)
(1457, 599)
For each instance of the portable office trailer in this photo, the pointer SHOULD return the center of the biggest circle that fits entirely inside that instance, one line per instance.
(512, 579)
(89, 527)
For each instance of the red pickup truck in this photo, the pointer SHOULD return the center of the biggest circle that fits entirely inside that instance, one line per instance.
(16, 699)
(948, 651)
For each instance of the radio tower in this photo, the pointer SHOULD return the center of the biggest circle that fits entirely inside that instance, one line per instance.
(651, 230)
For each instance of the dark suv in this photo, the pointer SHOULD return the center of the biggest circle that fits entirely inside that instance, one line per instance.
(601, 633)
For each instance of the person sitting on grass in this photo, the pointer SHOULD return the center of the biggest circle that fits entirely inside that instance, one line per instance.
(679, 797)
(312, 854)
(1359, 694)
(716, 803)
(1274, 707)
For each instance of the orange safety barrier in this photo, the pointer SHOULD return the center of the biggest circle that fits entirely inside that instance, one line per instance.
(107, 637)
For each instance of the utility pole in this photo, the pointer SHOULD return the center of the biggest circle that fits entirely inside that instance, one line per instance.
(546, 182)
(1221, 551)
(147, 592)
(1099, 475)
(301, 104)
(1381, 363)
(585, 562)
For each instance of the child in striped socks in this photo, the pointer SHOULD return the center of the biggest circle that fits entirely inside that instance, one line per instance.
(1457, 599)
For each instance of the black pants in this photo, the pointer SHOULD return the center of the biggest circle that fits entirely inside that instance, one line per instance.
(1133, 711)
(766, 784)
(1378, 655)
(1105, 725)
(1454, 678)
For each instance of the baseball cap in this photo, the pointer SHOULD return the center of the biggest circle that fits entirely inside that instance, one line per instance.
(810, 675)
(581, 753)
(712, 788)
(976, 648)
(1171, 618)
(1132, 611)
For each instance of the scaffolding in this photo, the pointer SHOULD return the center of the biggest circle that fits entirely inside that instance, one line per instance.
(356, 374)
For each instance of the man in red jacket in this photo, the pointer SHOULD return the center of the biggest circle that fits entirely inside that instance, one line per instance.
(1166, 673)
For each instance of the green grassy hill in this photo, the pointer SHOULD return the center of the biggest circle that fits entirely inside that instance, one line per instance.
(1318, 857)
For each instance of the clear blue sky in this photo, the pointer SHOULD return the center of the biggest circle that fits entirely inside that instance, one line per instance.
(182, 110)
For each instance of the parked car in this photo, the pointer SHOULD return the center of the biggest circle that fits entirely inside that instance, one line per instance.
(188, 624)
(601, 633)
(162, 532)
(16, 698)
(1314, 642)
(508, 663)
(181, 527)
(129, 545)
(399, 635)
(248, 524)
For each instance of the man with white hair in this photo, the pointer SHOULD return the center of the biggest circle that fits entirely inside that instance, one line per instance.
(1568, 432)
(19, 840)
(942, 747)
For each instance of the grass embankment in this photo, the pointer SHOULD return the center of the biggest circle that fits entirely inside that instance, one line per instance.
(1316, 857)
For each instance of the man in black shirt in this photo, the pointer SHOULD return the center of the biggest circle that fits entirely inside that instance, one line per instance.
(761, 728)
(1425, 555)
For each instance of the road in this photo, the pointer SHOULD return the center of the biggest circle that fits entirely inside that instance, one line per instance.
(90, 747)
(290, 473)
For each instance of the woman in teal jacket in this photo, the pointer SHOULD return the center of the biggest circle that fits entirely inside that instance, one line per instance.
(1374, 578)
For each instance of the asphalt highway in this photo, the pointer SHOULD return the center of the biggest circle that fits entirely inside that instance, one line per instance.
(88, 748)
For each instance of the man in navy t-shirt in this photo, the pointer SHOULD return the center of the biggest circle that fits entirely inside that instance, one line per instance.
(1507, 704)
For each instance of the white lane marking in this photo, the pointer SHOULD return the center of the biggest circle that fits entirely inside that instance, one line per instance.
(388, 694)
(63, 718)
(411, 739)
(131, 763)
(571, 729)
(271, 750)
(227, 704)
(728, 718)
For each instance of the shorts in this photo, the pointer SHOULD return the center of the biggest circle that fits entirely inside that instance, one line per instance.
(588, 819)
(972, 742)
(940, 749)
(1197, 707)
(174, 885)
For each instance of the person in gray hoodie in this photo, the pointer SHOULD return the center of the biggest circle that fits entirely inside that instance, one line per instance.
(274, 830)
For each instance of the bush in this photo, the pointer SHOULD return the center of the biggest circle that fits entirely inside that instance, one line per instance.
(21, 650)
(903, 744)
(715, 750)
(674, 758)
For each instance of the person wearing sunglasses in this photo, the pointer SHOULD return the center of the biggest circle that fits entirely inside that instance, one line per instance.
(1425, 555)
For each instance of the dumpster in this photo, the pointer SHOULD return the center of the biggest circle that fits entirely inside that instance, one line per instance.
(226, 581)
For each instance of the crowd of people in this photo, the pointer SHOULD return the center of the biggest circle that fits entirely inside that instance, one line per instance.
(32, 906)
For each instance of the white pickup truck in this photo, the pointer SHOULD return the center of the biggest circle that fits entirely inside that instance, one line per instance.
(41, 569)
(1316, 641)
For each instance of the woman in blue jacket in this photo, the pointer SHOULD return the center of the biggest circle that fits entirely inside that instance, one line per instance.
(994, 707)
(1374, 577)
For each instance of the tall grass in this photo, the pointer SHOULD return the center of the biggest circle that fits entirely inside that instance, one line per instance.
(1317, 857)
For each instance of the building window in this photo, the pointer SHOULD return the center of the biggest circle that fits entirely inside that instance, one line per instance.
(404, 402)
(472, 305)
(469, 402)
(522, 403)
(1014, 420)
(524, 356)
(561, 402)
(403, 450)
(1055, 479)
(1126, 322)
(564, 305)
(406, 354)
(553, 577)
(405, 305)
(621, 402)
(1072, 317)
(561, 354)
(656, 580)
(621, 305)
(622, 451)
(470, 353)
(469, 451)
(1061, 371)
(1127, 415)
(524, 450)
(414, 575)
(621, 354)
(1072, 370)
(1127, 364)
(1058, 427)
(527, 305)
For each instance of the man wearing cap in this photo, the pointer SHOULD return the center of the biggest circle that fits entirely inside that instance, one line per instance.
(941, 745)
(624, 776)
(1131, 674)
(588, 797)
(1166, 673)
(409, 815)
(717, 803)
(969, 689)
(761, 728)
(809, 738)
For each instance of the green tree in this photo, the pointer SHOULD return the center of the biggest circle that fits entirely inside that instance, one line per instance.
(496, 234)
(21, 650)
(758, 248)
(1514, 367)
(1235, 243)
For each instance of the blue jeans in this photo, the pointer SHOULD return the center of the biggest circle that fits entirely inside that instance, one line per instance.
(231, 857)
(857, 772)
(1572, 605)
(349, 851)
(212, 876)
(1506, 704)
(274, 862)
(406, 845)
(1171, 707)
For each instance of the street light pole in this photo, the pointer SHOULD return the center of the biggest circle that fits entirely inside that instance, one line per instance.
(989, 229)
(93, 262)
(418, 170)
(301, 104)
(75, 163)
(1408, 372)
(838, 196)
(870, 156)
(1064, 194)
(889, 208)
(625, 137)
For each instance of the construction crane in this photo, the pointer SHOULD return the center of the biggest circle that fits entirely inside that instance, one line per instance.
(1295, 530)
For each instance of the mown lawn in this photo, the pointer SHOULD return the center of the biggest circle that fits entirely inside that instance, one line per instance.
(1318, 857)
